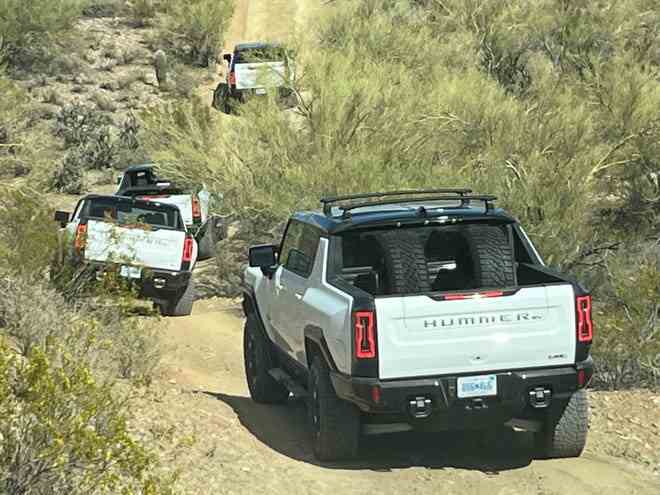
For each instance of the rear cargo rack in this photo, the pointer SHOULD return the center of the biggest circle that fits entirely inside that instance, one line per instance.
(352, 202)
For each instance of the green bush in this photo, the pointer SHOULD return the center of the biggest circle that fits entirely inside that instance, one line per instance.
(200, 24)
(27, 23)
(63, 431)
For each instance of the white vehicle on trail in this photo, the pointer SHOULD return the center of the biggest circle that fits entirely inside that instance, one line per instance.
(141, 182)
(253, 69)
(145, 242)
(425, 310)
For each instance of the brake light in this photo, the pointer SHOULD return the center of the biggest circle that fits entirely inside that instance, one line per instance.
(81, 237)
(475, 295)
(196, 210)
(232, 78)
(147, 198)
(365, 334)
(585, 327)
(187, 250)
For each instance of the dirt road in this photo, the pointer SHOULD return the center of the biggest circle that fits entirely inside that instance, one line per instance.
(244, 447)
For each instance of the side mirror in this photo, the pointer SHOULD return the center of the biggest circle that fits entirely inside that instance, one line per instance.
(119, 178)
(264, 257)
(62, 217)
(227, 57)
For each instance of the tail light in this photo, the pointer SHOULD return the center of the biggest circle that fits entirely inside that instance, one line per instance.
(585, 326)
(187, 250)
(365, 334)
(475, 295)
(148, 198)
(232, 78)
(196, 210)
(81, 237)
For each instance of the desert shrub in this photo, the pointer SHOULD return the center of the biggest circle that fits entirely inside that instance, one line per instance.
(200, 24)
(26, 24)
(628, 346)
(27, 237)
(63, 431)
(68, 176)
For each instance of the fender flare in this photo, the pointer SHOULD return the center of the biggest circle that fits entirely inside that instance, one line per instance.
(314, 335)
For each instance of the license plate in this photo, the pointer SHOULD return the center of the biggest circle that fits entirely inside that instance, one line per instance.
(477, 386)
(130, 271)
(260, 91)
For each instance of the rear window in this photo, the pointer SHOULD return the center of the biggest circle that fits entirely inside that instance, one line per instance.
(130, 214)
(255, 55)
(428, 259)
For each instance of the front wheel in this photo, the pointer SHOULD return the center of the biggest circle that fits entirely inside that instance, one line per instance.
(566, 435)
(258, 361)
(335, 423)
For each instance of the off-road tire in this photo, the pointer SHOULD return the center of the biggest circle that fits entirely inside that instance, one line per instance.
(258, 359)
(181, 305)
(565, 435)
(405, 261)
(335, 423)
(207, 243)
(493, 256)
(221, 98)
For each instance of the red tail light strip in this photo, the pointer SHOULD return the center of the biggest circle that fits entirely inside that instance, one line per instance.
(196, 210)
(81, 237)
(187, 250)
(585, 326)
(232, 78)
(474, 295)
(365, 334)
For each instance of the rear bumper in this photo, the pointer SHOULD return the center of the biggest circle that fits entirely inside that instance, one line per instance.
(159, 285)
(392, 400)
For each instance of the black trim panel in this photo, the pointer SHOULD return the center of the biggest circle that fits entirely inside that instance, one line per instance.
(315, 334)
(512, 399)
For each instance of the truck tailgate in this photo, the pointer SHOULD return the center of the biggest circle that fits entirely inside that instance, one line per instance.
(418, 336)
(260, 75)
(159, 249)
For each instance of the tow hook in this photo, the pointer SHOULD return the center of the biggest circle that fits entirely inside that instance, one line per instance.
(539, 397)
(420, 407)
(159, 283)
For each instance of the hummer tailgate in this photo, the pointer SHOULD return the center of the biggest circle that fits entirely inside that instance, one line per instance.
(159, 248)
(260, 75)
(421, 336)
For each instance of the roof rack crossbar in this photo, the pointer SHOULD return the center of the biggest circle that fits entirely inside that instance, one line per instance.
(329, 201)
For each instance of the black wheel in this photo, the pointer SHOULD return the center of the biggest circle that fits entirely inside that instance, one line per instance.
(565, 435)
(493, 256)
(258, 360)
(181, 305)
(221, 98)
(405, 262)
(335, 423)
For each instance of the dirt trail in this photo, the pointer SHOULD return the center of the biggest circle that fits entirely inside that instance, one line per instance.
(244, 447)
(266, 449)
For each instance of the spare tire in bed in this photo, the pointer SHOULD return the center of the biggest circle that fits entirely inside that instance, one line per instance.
(492, 254)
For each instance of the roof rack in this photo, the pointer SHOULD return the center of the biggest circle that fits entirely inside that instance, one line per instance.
(408, 197)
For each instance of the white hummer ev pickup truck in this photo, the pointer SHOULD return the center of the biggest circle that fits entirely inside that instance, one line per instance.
(427, 310)
(145, 242)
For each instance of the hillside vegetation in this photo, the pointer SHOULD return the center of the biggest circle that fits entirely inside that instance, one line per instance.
(551, 105)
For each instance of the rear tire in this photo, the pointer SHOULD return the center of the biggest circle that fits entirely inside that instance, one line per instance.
(493, 256)
(257, 355)
(181, 305)
(335, 423)
(566, 435)
(406, 262)
(221, 98)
